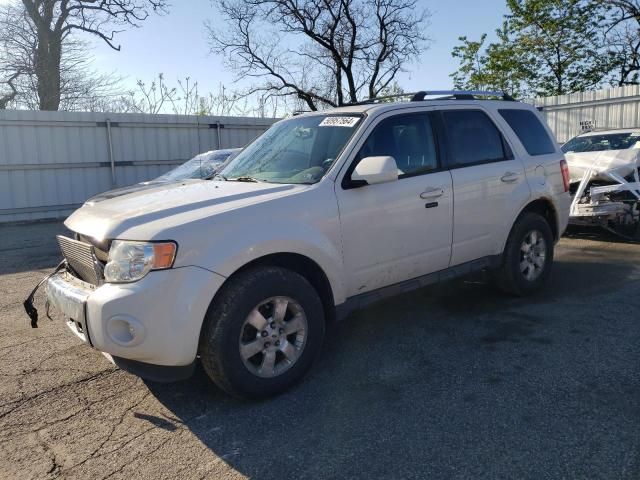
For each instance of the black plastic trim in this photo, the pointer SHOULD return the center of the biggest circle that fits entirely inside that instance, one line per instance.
(362, 300)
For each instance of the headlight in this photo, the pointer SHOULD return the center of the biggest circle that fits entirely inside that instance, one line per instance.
(130, 261)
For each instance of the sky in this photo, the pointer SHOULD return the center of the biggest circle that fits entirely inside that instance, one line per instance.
(176, 45)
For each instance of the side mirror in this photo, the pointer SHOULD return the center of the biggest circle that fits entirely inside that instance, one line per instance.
(372, 170)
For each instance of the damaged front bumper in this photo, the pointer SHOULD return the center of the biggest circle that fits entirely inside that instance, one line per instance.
(614, 205)
(69, 296)
(150, 327)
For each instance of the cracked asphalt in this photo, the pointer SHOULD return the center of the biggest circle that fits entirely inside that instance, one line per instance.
(455, 381)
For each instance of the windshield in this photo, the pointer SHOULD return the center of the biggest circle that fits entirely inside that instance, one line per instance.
(599, 143)
(201, 166)
(299, 150)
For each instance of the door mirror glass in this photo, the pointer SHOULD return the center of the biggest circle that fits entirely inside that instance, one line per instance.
(372, 170)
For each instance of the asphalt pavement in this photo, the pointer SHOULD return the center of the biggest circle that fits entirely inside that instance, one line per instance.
(454, 381)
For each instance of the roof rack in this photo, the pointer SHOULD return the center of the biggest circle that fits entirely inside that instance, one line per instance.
(447, 94)
(461, 95)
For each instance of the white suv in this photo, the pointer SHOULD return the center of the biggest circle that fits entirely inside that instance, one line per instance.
(322, 214)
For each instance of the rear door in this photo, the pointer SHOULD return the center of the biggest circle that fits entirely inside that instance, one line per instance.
(488, 182)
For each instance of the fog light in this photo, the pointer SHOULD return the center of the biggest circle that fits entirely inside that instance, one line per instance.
(125, 331)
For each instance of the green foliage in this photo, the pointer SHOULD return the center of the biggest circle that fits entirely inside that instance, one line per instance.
(471, 75)
(560, 42)
(496, 66)
(545, 47)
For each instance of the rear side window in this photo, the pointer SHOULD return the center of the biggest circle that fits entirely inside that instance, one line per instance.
(529, 130)
(473, 138)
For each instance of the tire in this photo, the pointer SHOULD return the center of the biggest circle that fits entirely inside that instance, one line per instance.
(515, 275)
(229, 333)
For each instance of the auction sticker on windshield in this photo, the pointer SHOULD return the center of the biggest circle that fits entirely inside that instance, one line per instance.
(339, 122)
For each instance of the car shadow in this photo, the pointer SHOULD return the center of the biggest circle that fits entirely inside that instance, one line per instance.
(451, 381)
(597, 234)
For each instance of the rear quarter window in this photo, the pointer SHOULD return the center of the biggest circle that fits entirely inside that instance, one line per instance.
(530, 131)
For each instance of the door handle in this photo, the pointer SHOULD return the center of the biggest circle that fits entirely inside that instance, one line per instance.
(510, 177)
(434, 192)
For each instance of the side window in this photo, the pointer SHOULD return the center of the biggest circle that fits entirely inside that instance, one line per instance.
(529, 130)
(408, 139)
(473, 138)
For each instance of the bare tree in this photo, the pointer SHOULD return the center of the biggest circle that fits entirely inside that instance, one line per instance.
(184, 98)
(323, 52)
(10, 82)
(80, 85)
(54, 21)
(151, 98)
(14, 61)
(622, 39)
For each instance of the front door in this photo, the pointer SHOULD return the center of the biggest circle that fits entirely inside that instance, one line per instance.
(402, 229)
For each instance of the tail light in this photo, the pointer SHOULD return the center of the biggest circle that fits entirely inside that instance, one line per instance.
(565, 174)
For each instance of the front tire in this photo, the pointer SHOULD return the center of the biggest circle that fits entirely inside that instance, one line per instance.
(262, 332)
(527, 257)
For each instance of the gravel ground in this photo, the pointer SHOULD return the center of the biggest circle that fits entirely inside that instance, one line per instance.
(456, 381)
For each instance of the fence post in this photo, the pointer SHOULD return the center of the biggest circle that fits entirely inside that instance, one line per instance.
(111, 159)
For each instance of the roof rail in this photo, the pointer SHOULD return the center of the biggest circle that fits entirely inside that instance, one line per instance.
(449, 94)
(461, 95)
(379, 99)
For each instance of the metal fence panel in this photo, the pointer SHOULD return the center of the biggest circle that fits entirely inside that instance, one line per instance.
(569, 115)
(51, 162)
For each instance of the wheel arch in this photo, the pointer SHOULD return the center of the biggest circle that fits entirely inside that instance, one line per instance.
(302, 265)
(544, 207)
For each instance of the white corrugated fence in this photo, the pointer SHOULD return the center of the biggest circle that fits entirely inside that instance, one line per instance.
(569, 115)
(51, 162)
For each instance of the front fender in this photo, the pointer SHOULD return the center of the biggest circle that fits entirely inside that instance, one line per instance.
(306, 224)
(241, 248)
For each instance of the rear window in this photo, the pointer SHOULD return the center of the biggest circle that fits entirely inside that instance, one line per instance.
(532, 134)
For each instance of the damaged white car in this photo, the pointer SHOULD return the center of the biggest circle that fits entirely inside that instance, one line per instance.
(605, 184)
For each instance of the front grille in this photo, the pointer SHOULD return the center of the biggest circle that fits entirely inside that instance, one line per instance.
(100, 249)
(82, 259)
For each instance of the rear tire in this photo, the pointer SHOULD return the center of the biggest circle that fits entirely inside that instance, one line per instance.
(262, 332)
(528, 256)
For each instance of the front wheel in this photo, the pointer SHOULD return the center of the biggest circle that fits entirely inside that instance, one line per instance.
(527, 257)
(262, 332)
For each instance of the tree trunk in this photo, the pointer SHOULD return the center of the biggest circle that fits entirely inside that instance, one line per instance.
(47, 69)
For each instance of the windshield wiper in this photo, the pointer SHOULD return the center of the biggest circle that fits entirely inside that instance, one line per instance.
(245, 179)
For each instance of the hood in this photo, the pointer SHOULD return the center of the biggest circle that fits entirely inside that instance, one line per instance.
(118, 192)
(620, 162)
(143, 213)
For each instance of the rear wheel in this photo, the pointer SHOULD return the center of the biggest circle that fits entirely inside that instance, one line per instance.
(262, 332)
(527, 257)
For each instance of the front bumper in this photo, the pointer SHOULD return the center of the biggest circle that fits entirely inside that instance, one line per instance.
(69, 296)
(156, 320)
